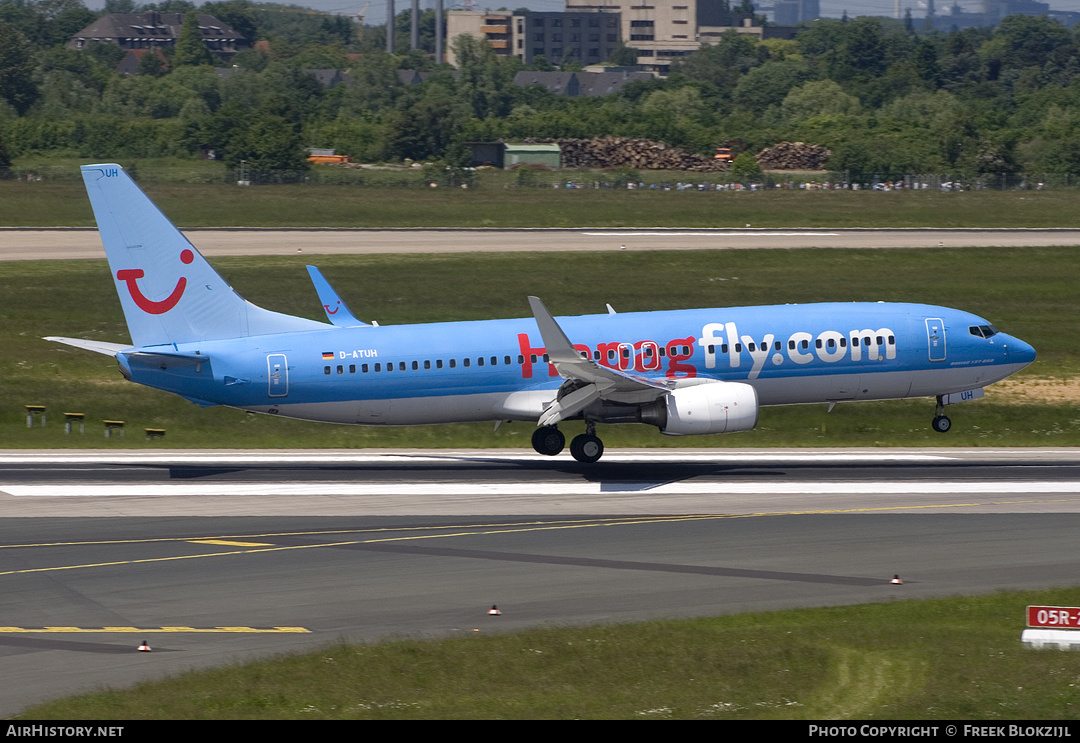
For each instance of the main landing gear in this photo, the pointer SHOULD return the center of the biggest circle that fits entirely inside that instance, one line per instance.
(941, 422)
(586, 448)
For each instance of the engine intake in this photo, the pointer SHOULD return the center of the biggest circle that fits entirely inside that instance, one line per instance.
(713, 407)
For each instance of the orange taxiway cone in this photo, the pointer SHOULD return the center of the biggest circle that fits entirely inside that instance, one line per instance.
(896, 581)
(144, 648)
(494, 611)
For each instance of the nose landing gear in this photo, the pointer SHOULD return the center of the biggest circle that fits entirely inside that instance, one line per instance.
(941, 422)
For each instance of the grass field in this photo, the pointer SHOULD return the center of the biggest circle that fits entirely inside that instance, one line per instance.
(952, 659)
(54, 203)
(948, 659)
(1030, 293)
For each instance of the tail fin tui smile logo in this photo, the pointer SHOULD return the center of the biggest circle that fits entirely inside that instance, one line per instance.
(132, 275)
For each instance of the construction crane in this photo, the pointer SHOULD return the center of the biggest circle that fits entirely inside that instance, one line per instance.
(360, 15)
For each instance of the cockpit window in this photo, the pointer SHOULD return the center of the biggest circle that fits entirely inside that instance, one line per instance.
(983, 331)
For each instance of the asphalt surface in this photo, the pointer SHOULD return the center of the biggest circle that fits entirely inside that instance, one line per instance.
(227, 556)
(424, 543)
(69, 244)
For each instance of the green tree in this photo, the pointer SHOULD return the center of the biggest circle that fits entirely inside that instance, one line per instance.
(721, 65)
(426, 128)
(768, 84)
(5, 158)
(269, 143)
(816, 98)
(745, 167)
(16, 69)
(190, 47)
(623, 56)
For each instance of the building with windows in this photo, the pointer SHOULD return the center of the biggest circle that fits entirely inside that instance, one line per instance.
(586, 38)
(588, 31)
(582, 37)
(155, 30)
(790, 12)
(496, 26)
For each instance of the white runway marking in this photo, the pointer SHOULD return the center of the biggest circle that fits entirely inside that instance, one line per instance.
(450, 489)
(339, 457)
(711, 234)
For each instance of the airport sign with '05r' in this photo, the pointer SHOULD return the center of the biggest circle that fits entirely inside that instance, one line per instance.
(1053, 616)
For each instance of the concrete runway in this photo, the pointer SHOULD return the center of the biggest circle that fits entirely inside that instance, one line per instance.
(215, 557)
(68, 244)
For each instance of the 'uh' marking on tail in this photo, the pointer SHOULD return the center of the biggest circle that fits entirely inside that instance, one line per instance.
(132, 275)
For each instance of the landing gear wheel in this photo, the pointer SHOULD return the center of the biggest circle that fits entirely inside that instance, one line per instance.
(941, 423)
(548, 440)
(586, 448)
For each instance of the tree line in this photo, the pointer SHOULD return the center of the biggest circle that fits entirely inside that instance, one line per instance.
(886, 97)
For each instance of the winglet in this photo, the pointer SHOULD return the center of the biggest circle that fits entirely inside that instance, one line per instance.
(337, 312)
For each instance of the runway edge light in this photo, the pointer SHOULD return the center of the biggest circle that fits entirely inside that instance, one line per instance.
(144, 648)
(896, 581)
(494, 611)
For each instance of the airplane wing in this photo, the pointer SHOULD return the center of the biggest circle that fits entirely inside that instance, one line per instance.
(593, 381)
(337, 312)
(109, 349)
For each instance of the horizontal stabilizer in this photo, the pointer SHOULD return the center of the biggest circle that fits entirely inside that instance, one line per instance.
(166, 360)
(109, 349)
(337, 312)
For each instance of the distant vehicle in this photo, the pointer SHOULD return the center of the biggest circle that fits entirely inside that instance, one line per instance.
(326, 156)
(729, 150)
(684, 371)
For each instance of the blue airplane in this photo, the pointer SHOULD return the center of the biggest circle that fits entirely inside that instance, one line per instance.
(686, 372)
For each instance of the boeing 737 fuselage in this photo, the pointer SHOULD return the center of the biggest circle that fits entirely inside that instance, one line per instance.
(686, 372)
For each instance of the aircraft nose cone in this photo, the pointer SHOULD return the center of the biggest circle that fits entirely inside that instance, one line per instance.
(1020, 352)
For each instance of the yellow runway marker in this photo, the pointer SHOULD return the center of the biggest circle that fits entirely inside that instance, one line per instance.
(155, 630)
(230, 544)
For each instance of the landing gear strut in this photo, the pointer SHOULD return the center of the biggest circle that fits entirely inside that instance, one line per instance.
(548, 440)
(941, 422)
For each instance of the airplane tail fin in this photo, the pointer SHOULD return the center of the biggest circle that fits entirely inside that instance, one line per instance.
(168, 291)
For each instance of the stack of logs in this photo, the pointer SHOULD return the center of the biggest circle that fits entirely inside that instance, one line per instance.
(627, 152)
(646, 154)
(793, 156)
